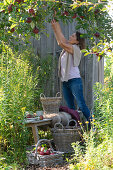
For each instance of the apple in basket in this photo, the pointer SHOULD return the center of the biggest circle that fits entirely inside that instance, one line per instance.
(42, 149)
(47, 152)
(39, 148)
(42, 153)
(52, 153)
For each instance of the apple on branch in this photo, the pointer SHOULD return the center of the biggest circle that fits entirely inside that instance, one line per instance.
(65, 13)
(28, 20)
(82, 17)
(35, 30)
(31, 11)
(74, 16)
(96, 11)
(18, 1)
(12, 30)
(10, 8)
(97, 34)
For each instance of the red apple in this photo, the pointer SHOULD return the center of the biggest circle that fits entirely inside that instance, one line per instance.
(10, 8)
(41, 117)
(19, 1)
(52, 153)
(47, 152)
(39, 149)
(36, 30)
(82, 17)
(65, 13)
(28, 20)
(34, 15)
(97, 54)
(29, 116)
(96, 11)
(74, 16)
(42, 153)
(12, 30)
(97, 34)
(31, 11)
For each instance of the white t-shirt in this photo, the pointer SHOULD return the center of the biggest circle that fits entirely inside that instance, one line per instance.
(73, 72)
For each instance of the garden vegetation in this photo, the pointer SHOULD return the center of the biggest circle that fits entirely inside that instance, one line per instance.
(23, 76)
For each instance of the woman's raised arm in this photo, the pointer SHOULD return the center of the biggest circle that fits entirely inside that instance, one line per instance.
(61, 40)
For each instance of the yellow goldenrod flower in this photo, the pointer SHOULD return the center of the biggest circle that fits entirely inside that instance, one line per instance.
(110, 120)
(80, 123)
(86, 122)
(11, 126)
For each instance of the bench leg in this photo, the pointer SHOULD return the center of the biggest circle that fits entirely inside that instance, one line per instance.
(35, 133)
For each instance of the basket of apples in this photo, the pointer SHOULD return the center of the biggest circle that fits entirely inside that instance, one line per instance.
(44, 155)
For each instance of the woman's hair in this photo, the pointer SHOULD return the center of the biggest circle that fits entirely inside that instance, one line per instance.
(81, 40)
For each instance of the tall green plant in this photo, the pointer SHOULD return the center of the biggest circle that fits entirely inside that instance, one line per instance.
(103, 105)
(93, 157)
(23, 77)
(16, 96)
(97, 151)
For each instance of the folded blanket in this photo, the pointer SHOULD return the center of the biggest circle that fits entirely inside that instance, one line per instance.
(73, 113)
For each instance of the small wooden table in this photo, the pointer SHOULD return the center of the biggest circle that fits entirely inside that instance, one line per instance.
(34, 123)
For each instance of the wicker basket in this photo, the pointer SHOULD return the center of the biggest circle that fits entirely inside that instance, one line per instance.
(50, 104)
(45, 160)
(63, 138)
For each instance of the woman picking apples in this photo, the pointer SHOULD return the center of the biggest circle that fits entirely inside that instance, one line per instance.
(69, 73)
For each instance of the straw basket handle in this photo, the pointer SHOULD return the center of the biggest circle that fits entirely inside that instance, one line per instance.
(73, 122)
(39, 142)
(58, 94)
(42, 95)
(57, 125)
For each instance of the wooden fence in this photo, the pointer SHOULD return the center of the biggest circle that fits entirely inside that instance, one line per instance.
(91, 70)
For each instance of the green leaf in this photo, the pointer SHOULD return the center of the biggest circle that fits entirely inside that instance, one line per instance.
(13, 25)
(86, 54)
(104, 9)
(90, 8)
(32, 24)
(84, 51)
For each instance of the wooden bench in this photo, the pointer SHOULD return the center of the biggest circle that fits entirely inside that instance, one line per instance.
(36, 123)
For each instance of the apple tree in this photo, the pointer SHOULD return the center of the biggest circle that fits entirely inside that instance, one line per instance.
(21, 19)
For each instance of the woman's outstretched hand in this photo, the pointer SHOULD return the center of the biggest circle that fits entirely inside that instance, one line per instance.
(53, 23)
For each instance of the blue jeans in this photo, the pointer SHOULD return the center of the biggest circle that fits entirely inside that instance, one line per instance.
(73, 89)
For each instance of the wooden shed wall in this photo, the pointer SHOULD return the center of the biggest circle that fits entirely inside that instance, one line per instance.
(91, 70)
